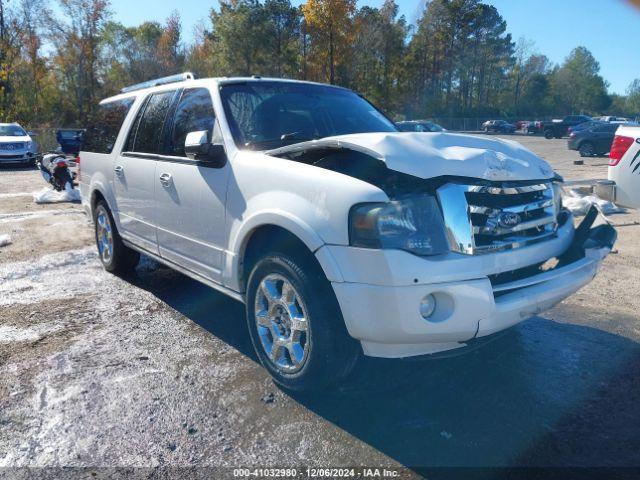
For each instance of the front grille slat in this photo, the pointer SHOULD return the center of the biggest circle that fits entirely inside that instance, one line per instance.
(12, 146)
(498, 216)
(491, 230)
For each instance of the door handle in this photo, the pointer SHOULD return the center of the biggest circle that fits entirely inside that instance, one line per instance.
(165, 179)
(119, 170)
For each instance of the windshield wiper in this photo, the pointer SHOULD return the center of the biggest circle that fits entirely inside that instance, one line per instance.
(284, 139)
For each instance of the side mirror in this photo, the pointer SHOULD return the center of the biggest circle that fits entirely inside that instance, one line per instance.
(197, 147)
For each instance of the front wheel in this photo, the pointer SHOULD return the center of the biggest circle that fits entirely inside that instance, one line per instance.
(115, 256)
(296, 325)
(548, 134)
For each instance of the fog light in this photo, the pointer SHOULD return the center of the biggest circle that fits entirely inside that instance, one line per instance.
(427, 306)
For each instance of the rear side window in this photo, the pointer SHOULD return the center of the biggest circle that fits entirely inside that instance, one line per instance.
(145, 133)
(194, 113)
(102, 134)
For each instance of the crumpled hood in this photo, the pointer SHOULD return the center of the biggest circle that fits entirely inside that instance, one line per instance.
(6, 139)
(430, 155)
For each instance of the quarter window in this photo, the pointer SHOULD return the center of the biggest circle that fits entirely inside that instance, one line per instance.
(194, 113)
(102, 134)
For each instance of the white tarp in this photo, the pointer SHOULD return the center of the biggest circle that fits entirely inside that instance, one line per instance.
(579, 204)
(47, 195)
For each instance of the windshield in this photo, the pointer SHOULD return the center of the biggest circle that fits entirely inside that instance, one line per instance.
(12, 131)
(264, 115)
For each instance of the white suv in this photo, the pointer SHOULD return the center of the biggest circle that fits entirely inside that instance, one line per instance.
(340, 234)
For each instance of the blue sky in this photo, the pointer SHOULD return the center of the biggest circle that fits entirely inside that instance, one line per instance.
(609, 28)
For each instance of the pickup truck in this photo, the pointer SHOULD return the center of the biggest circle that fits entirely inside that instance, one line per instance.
(623, 186)
(559, 128)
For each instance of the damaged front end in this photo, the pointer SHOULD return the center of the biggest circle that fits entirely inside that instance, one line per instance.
(453, 257)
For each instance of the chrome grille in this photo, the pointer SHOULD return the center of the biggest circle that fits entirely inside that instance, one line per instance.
(481, 218)
(12, 146)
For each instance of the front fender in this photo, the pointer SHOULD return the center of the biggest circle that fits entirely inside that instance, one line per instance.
(242, 232)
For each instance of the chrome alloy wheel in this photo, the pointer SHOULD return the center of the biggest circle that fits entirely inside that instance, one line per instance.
(104, 236)
(281, 320)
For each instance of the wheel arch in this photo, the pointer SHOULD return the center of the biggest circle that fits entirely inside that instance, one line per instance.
(96, 196)
(274, 236)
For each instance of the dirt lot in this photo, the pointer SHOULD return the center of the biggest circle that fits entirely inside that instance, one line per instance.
(157, 370)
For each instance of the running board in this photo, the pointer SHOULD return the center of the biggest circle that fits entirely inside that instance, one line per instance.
(195, 276)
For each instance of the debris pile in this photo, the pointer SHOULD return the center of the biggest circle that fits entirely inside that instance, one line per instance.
(47, 195)
(579, 203)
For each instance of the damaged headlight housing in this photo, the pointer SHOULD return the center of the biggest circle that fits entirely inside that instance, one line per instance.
(412, 223)
(557, 194)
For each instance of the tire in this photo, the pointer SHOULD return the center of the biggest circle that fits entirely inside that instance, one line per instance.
(586, 149)
(115, 256)
(306, 355)
(548, 134)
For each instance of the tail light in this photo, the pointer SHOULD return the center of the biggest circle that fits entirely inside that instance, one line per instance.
(78, 166)
(619, 147)
(61, 163)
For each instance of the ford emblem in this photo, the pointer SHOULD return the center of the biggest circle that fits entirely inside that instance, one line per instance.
(509, 219)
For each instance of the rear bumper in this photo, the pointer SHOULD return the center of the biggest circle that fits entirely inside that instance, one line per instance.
(387, 321)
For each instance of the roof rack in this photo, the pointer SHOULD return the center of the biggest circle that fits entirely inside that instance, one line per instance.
(180, 77)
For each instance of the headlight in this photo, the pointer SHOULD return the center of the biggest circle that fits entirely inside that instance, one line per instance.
(413, 224)
(557, 196)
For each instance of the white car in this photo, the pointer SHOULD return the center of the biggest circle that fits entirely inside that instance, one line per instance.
(17, 147)
(623, 187)
(612, 119)
(341, 235)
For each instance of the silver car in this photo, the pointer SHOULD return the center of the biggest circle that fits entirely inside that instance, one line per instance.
(16, 145)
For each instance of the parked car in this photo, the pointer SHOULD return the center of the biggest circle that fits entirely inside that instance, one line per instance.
(340, 235)
(70, 140)
(623, 186)
(17, 147)
(499, 126)
(582, 126)
(534, 127)
(559, 128)
(612, 119)
(593, 140)
(419, 126)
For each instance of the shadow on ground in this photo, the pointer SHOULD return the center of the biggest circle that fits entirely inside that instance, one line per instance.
(543, 394)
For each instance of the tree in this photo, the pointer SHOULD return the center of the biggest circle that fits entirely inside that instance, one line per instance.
(330, 25)
(633, 98)
(380, 46)
(282, 30)
(76, 37)
(238, 37)
(577, 85)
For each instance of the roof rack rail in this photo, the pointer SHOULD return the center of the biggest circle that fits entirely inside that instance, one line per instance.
(180, 77)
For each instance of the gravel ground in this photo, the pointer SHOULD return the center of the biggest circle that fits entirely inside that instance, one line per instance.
(157, 370)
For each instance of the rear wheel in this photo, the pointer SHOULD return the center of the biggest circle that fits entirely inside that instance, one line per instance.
(586, 149)
(296, 325)
(548, 134)
(115, 256)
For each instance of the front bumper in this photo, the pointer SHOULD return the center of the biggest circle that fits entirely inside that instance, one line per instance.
(385, 316)
(17, 158)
